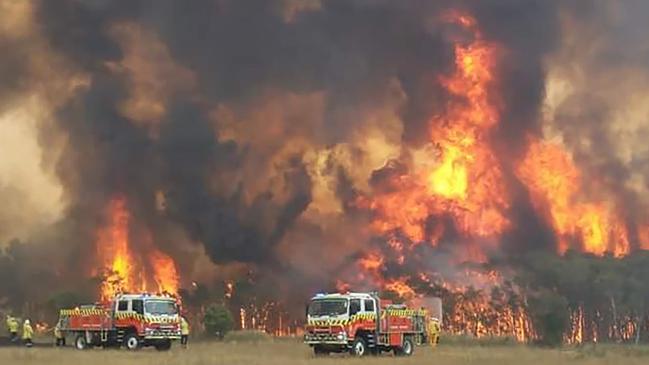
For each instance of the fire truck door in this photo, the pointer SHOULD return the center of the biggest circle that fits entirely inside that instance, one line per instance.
(369, 307)
(121, 306)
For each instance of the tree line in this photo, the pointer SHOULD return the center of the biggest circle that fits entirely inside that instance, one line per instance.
(549, 299)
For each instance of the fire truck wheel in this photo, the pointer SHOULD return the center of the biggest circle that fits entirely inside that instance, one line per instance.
(406, 349)
(359, 347)
(132, 342)
(80, 342)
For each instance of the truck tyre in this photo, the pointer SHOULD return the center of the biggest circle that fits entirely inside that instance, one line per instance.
(319, 351)
(163, 346)
(80, 342)
(132, 342)
(359, 347)
(406, 349)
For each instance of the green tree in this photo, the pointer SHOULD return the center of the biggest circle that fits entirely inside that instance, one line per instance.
(218, 320)
(549, 312)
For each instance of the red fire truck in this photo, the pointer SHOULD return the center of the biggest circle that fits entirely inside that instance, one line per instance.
(362, 323)
(131, 320)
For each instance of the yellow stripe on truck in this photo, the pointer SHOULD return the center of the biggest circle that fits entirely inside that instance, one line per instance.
(81, 312)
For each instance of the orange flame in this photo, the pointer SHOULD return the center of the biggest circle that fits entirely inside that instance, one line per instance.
(113, 250)
(643, 237)
(124, 271)
(467, 183)
(400, 287)
(371, 262)
(164, 272)
(342, 286)
(554, 183)
(229, 290)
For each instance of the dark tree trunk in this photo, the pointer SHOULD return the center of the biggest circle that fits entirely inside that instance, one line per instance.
(616, 334)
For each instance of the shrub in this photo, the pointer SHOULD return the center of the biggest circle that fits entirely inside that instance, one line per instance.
(549, 312)
(218, 321)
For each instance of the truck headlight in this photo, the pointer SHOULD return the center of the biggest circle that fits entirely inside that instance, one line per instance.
(341, 336)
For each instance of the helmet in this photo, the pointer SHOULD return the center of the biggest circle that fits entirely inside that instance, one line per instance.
(27, 321)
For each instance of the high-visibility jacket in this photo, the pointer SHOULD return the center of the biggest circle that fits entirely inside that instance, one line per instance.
(28, 331)
(57, 332)
(433, 331)
(12, 325)
(184, 327)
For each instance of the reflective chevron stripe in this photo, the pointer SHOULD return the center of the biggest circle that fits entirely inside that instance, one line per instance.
(146, 318)
(364, 316)
(161, 319)
(337, 322)
(82, 312)
(404, 312)
(328, 322)
(368, 316)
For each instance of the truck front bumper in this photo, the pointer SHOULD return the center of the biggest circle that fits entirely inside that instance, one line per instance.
(161, 337)
(325, 338)
(161, 334)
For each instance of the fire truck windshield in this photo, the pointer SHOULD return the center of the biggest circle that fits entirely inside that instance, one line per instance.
(157, 307)
(328, 307)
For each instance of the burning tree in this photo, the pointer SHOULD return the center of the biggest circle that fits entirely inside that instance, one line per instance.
(151, 271)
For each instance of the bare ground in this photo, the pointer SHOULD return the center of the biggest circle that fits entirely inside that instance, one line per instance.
(293, 352)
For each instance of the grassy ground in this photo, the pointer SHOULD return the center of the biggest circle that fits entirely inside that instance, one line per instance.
(292, 352)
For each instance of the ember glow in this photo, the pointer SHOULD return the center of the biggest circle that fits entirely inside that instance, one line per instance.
(152, 271)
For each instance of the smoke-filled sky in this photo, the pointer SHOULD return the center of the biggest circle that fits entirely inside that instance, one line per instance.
(246, 131)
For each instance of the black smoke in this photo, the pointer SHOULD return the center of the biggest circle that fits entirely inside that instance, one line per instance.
(239, 51)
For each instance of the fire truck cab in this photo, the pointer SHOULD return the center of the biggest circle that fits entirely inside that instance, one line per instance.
(131, 320)
(362, 323)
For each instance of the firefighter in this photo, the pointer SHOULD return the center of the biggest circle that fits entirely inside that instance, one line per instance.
(433, 331)
(184, 331)
(28, 333)
(12, 327)
(58, 335)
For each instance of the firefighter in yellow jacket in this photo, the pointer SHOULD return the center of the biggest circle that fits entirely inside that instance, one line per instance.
(12, 327)
(28, 333)
(184, 331)
(58, 335)
(434, 330)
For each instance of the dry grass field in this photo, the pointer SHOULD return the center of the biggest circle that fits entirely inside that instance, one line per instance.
(286, 352)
